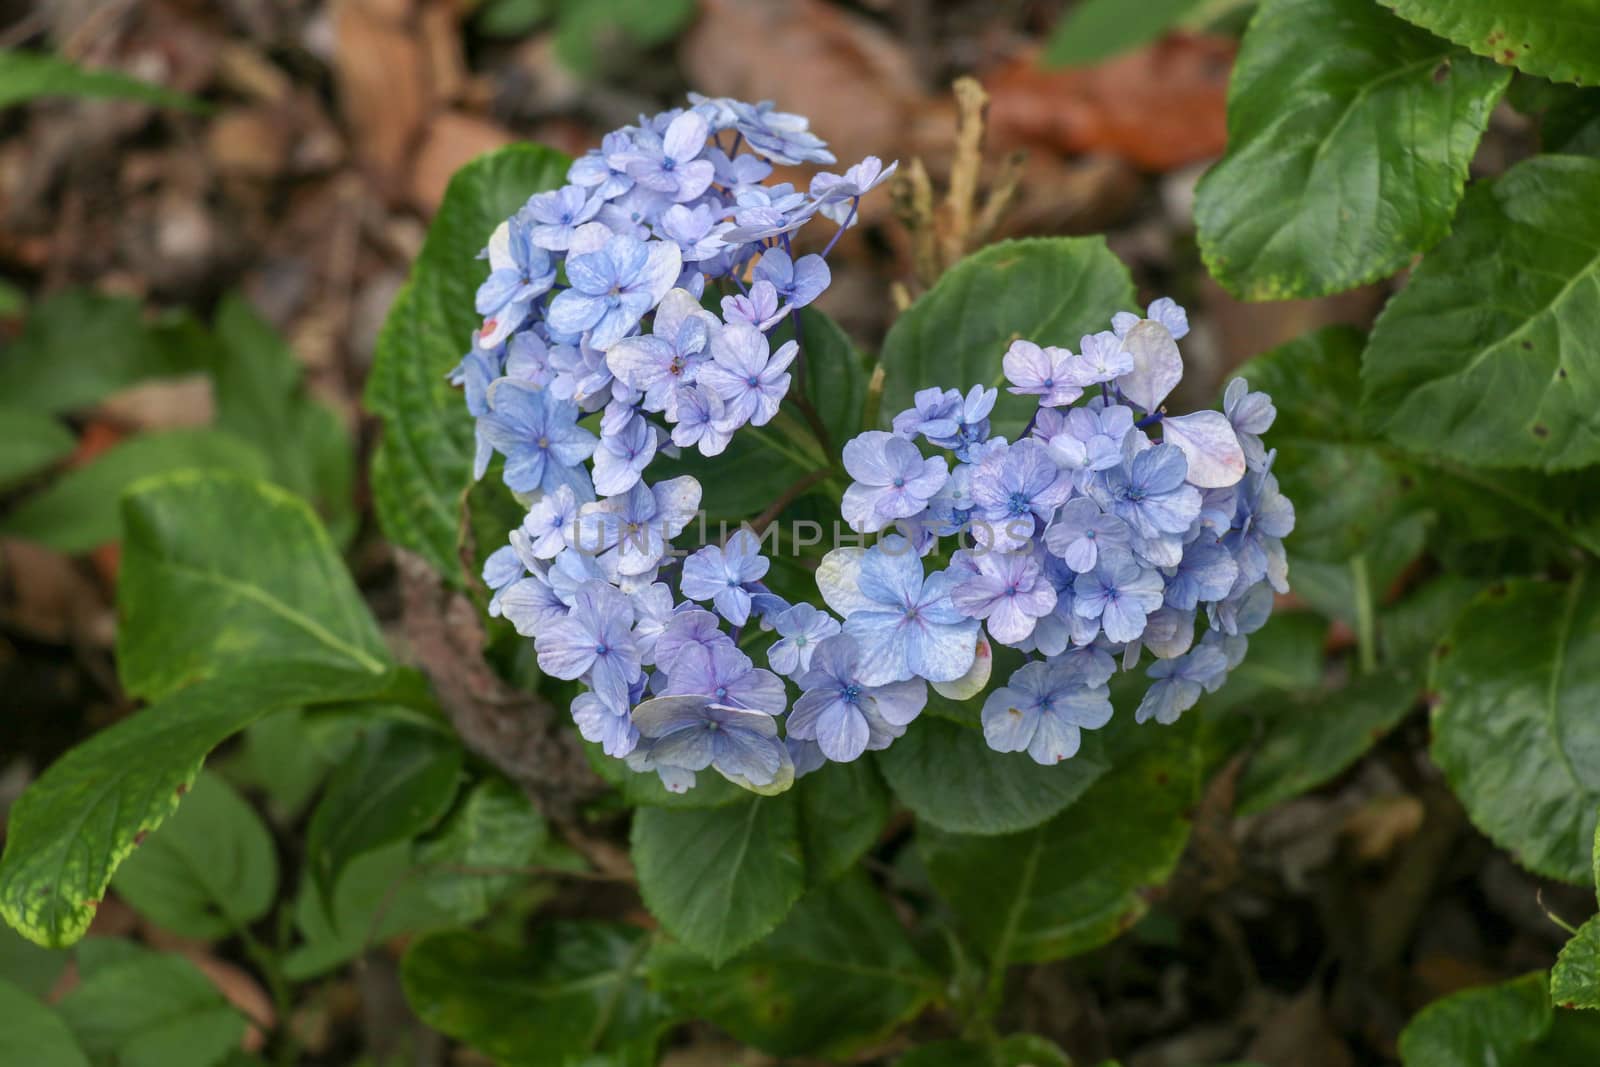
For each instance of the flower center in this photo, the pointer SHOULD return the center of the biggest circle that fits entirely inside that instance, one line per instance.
(544, 441)
(851, 693)
(1018, 504)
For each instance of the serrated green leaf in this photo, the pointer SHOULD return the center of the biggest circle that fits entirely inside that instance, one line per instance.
(1505, 1025)
(424, 463)
(79, 820)
(30, 442)
(397, 783)
(1575, 979)
(1050, 290)
(1018, 1050)
(1307, 744)
(575, 991)
(1557, 39)
(843, 807)
(1349, 135)
(208, 870)
(1097, 29)
(79, 510)
(137, 1008)
(951, 779)
(1514, 727)
(838, 974)
(30, 75)
(219, 572)
(261, 399)
(1499, 310)
(34, 1034)
(719, 879)
(1075, 882)
(78, 346)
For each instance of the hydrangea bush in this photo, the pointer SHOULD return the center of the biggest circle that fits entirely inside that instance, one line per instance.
(1108, 528)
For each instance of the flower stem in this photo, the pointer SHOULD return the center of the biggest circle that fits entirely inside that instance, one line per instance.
(855, 202)
(1366, 624)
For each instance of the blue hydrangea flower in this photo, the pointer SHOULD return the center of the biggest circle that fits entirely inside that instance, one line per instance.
(838, 194)
(1149, 493)
(801, 629)
(797, 282)
(670, 163)
(630, 532)
(1008, 590)
(500, 571)
(903, 624)
(528, 359)
(530, 604)
(1043, 709)
(1014, 487)
(1165, 311)
(1042, 372)
(593, 170)
(1265, 517)
(1120, 592)
(668, 358)
(1179, 683)
(1086, 438)
(758, 308)
(780, 136)
(604, 725)
(1101, 358)
(551, 523)
(688, 627)
(1063, 627)
(693, 733)
(613, 287)
(697, 231)
(726, 675)
(540, 438)
(844, 716)
(1251, 415)
(971, 423)
(892, 480)
(555, 216)
(622, 456)
(724, 574)
(750, 381)
(519, 273)
(936, 413)
(595, 641)
(702, 421)
(1207, 572)
(1080, 530)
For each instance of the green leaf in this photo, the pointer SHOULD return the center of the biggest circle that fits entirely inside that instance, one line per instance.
(1349, 135)
(1514, 727)
(947, 775)
(219, 572)
(472, 860)
(25, 965)
(1050, 290)
(261, 399)
(1506, 1025)
(80, 510)
(1098, 29)
(1575, 979)
(30, 442)
(399, 782)
(34, 1034)
(511, 18)
(382, 894)
(78, 346)
(1408, 631)
(424, 462)
(1018, 1050)
(590, 32)
(30, 75)
(210, 869)
(79, 820)
(573, 992)
(138, 1008)
(1501, 310)
(1075, 882)
(718, 879)
(1307, 744)
(838, 974)
(1557, 39)
(843, 807)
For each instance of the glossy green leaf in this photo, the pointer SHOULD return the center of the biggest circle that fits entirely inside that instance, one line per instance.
(1097, 29)
(219, 572)
(1307, 744)
(1018, 1050)
(34, 1034)
(1501, 309)
(473, 858)
(261, 399)
(208, 870)
(1349, 135)
(1557, 39)
(1050, 290)
(1575, 979)
(951, 779)
(1516, 682)
(137, 1008)
(843, 807)
(575, 991)
(424, 463)
(838, 974)
(1507, 1025)
(719, 879)
(79, 820)
(78, 346)
(30, 75)
(30, 442)
(1076, 882)
(79, 510)
(397, 783)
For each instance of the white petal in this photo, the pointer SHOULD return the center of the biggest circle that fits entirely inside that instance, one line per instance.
(972, 683)
(839, 580)
(1216, 459)
(1157, 366)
